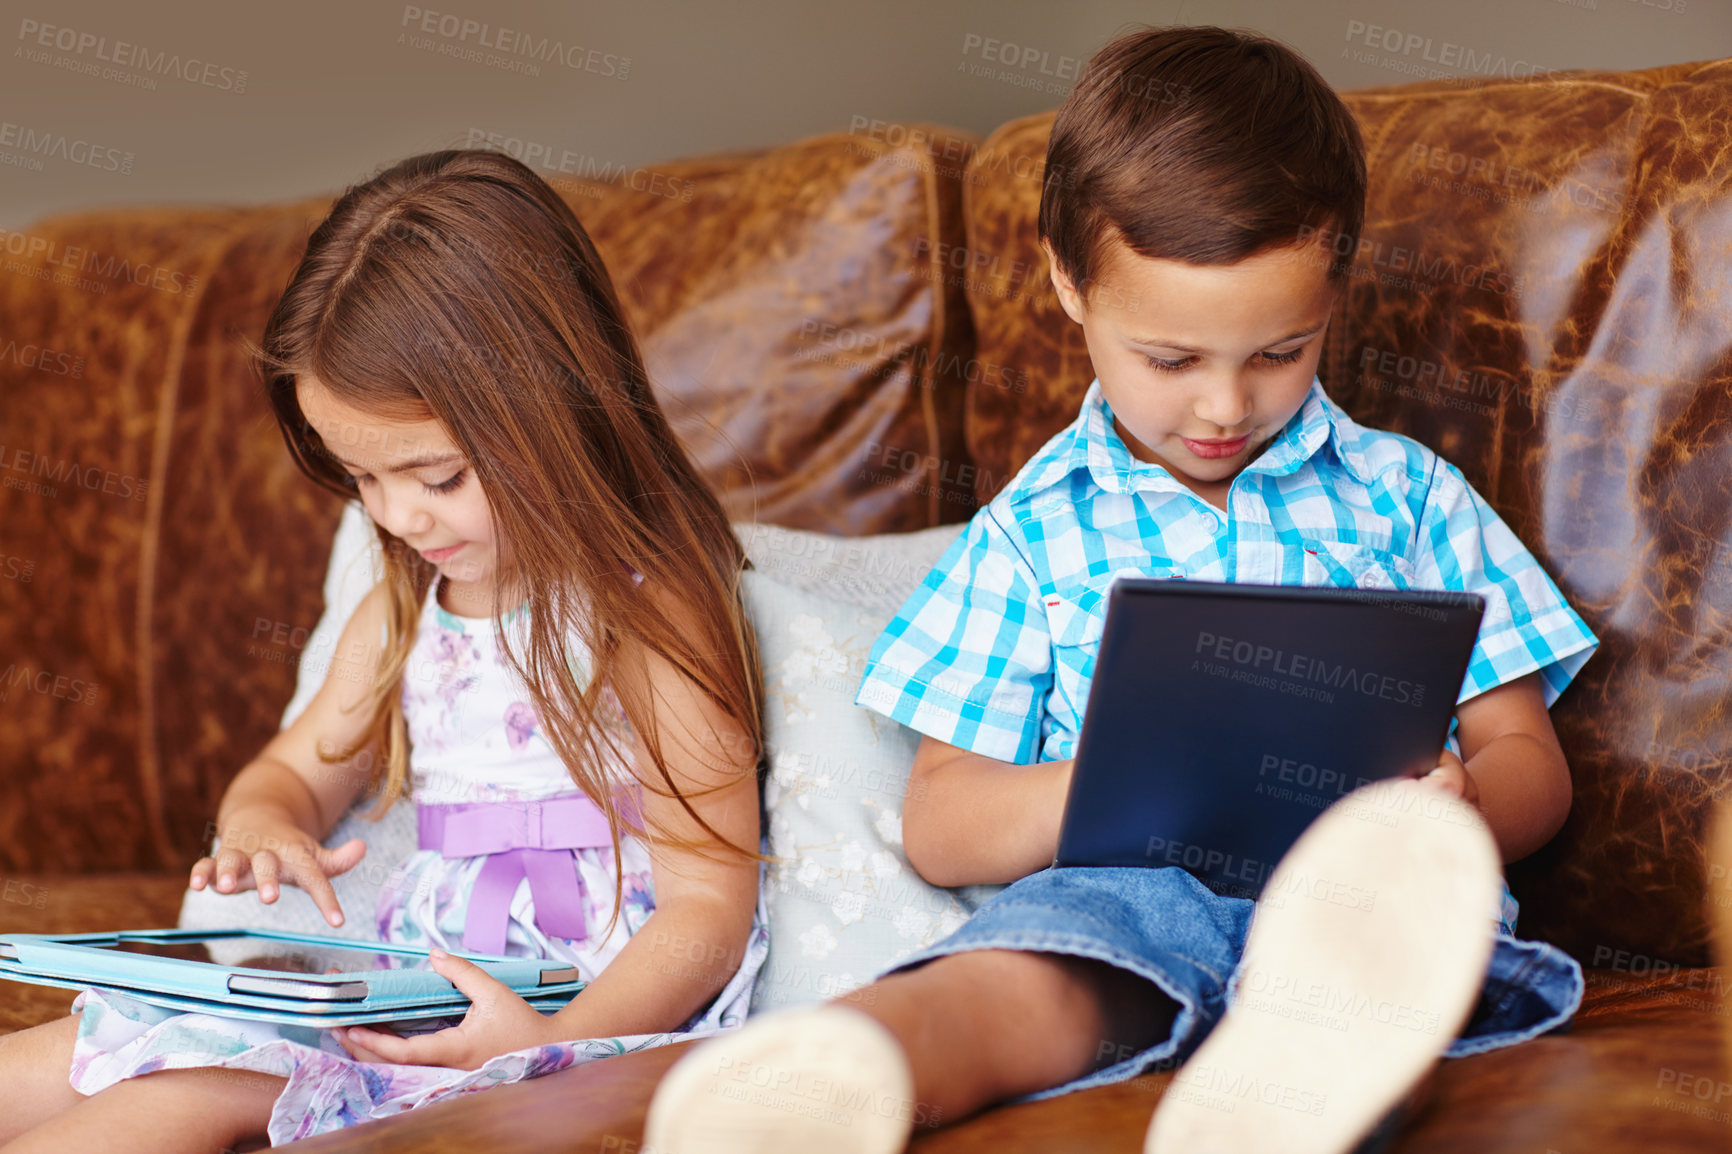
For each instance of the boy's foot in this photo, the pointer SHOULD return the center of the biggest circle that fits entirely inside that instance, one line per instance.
(814, 1080)
(1364, 959)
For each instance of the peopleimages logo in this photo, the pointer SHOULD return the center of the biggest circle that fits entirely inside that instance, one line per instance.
(88, 51)
(1448, 56)
(63, 472)
(511, 48)
(1402, 267)
(37, 143)
(1301, 667)
(76, 259)
(48, 684)
(1218, 863)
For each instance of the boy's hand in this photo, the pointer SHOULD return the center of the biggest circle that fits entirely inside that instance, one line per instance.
(498, 1022)
(262, 847)
(1452, 777)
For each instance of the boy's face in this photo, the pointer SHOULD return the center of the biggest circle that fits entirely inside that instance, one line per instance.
(1203, 364)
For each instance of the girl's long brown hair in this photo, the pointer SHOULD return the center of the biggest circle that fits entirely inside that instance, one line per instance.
(458, 285)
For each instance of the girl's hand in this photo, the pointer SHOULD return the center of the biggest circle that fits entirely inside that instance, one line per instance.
(285, 853)
(1452, 777)
(498, 1022)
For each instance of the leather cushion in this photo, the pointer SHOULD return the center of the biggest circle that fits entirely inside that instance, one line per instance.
(796, 316)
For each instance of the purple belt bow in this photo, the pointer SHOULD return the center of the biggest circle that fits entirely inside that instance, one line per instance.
(520, 839)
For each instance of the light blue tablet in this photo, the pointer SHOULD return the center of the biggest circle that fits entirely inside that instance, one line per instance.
(273, 975)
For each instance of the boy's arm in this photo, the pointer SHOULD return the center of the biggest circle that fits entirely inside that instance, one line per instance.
(967, 662)
(1514, 769)
(1530, 646)
(971, 820)
(1515, 772)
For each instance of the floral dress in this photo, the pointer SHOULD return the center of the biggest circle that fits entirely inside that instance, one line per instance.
(474, 737)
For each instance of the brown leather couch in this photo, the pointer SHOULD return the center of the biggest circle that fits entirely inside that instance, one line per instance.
(856, 333)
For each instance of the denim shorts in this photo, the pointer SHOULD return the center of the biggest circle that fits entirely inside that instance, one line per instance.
(1164, 925)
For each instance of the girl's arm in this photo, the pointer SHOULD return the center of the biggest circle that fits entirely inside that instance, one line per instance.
(1515, 770)
(968, 819)
(693, 943)
(284, 802)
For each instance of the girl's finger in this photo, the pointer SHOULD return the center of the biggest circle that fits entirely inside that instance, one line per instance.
(202, 870)
(356, 1049)
(232, 871)
(389, 1047)
(265, 874)
(342, 859)
(470, 979)
(306, 874)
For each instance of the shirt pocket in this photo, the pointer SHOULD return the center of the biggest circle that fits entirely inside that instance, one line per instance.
(1355, 566)
(1076, 617)
(1078, 613)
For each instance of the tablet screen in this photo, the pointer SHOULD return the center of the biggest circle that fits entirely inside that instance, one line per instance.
(272, 954)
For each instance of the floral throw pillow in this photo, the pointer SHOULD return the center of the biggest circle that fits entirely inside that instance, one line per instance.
(844, 903)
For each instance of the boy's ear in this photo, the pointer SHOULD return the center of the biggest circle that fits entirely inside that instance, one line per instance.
(1068, 298)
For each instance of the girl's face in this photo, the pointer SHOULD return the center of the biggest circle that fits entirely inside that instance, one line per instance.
(414, 482)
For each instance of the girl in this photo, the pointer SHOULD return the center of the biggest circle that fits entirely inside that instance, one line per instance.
(559, 623)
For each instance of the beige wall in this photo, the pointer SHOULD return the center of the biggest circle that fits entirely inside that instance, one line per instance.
(278, 100)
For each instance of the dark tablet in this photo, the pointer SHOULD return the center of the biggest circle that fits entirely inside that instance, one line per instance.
(1223, 718)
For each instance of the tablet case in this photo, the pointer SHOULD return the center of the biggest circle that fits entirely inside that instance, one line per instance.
(1222, 718)
(76, 961)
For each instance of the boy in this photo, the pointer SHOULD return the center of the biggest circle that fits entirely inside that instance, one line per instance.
(1192, 239)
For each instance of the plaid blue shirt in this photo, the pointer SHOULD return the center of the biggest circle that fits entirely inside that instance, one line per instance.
(995, 650)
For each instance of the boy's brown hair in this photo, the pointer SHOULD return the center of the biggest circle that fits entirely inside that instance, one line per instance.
(1203, 145)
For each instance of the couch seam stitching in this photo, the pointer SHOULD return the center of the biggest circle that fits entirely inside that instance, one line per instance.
(167, 406)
